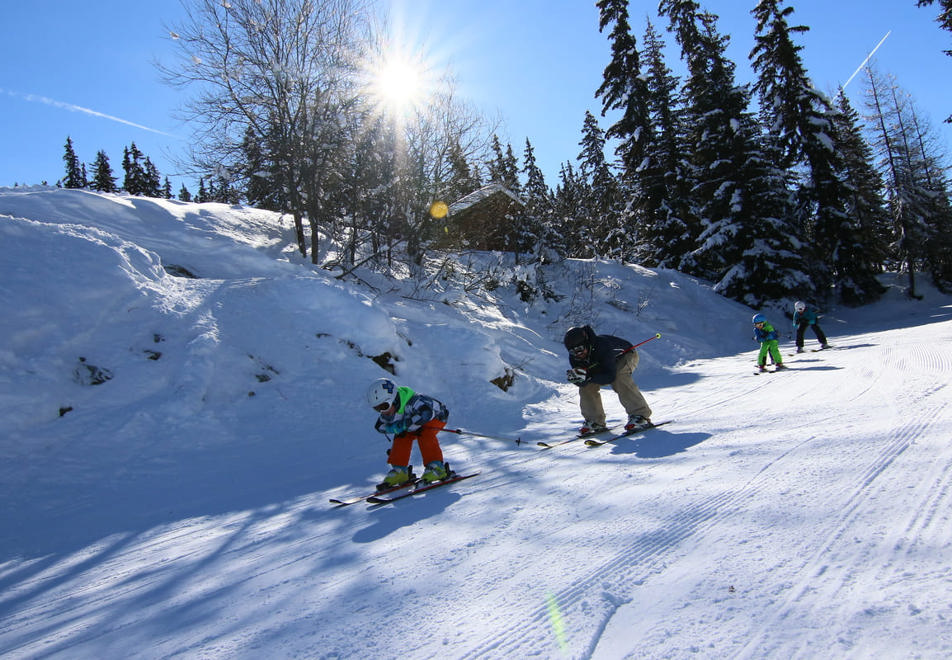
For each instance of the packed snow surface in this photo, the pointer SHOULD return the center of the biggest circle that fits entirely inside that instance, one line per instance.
(169, 444)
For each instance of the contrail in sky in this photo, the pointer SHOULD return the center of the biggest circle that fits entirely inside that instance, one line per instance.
(867, 59)
(78, 108)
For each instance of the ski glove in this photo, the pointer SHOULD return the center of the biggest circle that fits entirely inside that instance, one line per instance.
(576, 376)
(396, 428)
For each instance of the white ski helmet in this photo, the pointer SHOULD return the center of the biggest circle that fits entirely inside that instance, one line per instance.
(381, 391)
(799, 306)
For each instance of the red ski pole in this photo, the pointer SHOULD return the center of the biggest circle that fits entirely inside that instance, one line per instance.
(657, 336)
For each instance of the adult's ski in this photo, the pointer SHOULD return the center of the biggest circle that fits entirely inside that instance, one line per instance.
(376, 499)
(598, 443)
(360, 498)
(550, 445)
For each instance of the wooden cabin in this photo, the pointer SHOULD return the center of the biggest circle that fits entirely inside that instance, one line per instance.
(479, 221)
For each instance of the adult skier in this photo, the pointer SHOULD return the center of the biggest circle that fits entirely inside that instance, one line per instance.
(805, 317)
(604, 360)
(409, 416)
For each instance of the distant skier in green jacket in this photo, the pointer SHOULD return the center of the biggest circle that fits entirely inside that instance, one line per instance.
(767, 336)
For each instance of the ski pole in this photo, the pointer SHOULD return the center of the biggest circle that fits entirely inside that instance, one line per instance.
(657, 336)
(481, 435)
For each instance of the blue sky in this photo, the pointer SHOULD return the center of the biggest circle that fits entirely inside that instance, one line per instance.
(87, 69)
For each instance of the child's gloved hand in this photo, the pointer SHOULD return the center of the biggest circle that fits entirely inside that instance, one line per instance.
(396, 428)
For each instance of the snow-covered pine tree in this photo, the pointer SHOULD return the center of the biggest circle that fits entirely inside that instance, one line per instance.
(503, 167)
(569, 214)
(668, 227)
(600, 201)
(624, 89)
(747, 246)
(541, 236)
(803, 120)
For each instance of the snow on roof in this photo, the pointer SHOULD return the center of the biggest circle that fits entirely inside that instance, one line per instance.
(483, 193)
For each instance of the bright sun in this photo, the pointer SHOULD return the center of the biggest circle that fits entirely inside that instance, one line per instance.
(398, 84)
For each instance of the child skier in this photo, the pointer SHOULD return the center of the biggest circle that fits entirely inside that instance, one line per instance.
(804, 317)
(767, 336)
(409, 416)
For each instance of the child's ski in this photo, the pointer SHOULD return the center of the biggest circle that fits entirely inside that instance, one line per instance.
(360, 498)
(626, 434)
(374, 499)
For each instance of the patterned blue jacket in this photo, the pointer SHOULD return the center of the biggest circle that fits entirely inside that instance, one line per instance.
(414, 411)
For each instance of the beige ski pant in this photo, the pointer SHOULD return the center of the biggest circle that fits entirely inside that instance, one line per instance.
(590, 396)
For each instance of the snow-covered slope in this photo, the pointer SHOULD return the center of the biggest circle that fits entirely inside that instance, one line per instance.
(180, 508)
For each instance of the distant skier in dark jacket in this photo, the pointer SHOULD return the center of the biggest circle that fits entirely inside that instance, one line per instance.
(803, 318)
(604, 360)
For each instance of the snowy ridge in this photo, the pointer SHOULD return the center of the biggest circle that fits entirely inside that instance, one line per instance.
(180, 509)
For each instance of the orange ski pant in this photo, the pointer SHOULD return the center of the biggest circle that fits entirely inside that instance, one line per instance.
(425, 437)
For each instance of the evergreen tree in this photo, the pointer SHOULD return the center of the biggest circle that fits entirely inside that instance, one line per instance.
(599, 203)
(747, 245)
(539, 209)
(463, 177)
(569, 216)
(202, 195)
(668, 226)
(866, 206)
(152, 181)
(260, 174)
(75, 175)
(803, 122)
(184, 195)
(103, 180)
(624, 88)
(135, 181)
(503, 168)
(167, 189)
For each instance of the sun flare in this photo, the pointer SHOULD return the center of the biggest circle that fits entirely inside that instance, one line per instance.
(399, 82)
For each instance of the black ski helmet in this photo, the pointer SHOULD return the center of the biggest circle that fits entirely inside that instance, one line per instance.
(579, 336)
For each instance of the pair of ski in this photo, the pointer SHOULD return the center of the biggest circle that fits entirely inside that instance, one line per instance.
(770, 371)
(410, 488)
(813, 350)
(590, 441)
